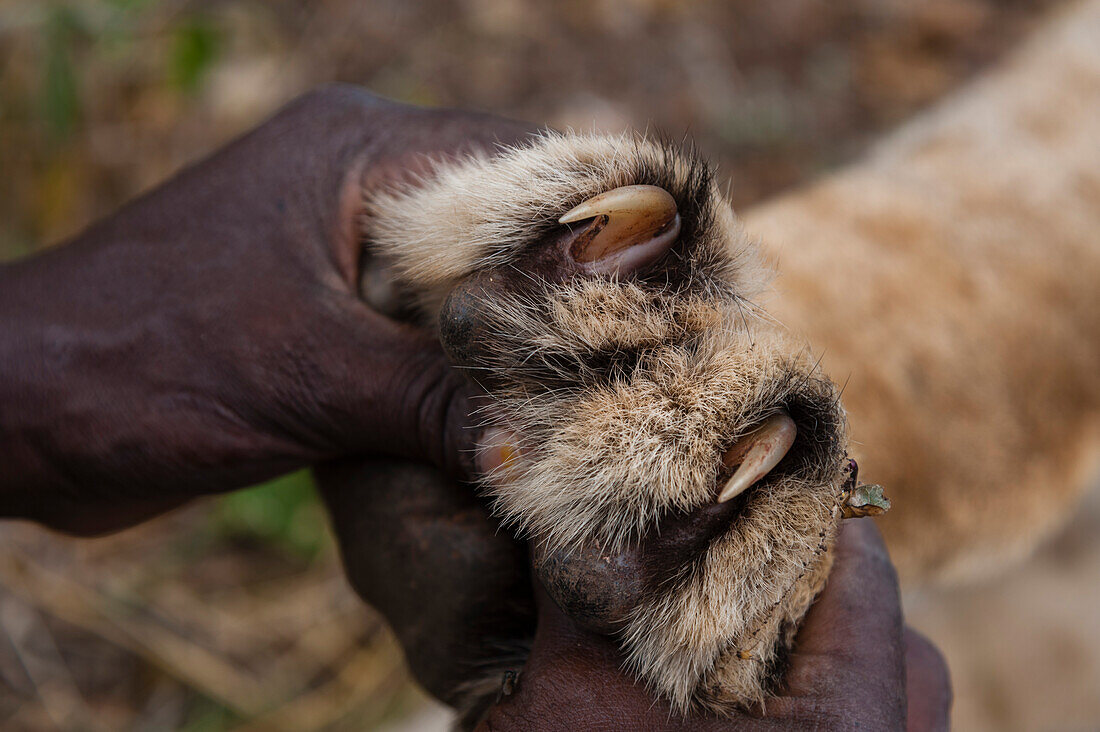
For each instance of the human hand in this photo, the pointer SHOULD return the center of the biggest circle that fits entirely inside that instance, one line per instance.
(854, 665)
(424, 551)
(456, 591)
(211, 334)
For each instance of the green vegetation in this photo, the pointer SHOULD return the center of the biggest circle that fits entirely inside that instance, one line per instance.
(284, 513)
(195, 45)
(60, 105)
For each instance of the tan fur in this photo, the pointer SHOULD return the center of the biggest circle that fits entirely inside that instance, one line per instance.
(953, 278)
(467, 217)
(608, 448)
(612, 460)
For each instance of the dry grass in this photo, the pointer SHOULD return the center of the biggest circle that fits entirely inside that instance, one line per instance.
(156, 624)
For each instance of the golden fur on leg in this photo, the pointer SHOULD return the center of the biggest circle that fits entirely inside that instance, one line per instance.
(624, 394)
(953, 278)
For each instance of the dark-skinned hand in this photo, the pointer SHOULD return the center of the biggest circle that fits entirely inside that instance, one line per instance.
(462, 598)
(854, 666)
(211, 335)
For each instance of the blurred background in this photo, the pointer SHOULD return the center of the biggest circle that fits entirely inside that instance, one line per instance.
(232, 613)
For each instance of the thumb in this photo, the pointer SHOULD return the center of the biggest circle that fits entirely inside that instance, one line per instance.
(403, 399)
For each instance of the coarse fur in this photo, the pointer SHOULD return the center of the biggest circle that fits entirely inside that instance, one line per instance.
(624, 393)
(951, 276)
(484, 211)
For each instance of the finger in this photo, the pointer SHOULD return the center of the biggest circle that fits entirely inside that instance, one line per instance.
(393, 390)
(927, 685)
(413, 138)
(859, 611)
(849, 650)
(423, 551)
(388, 389)
(575, 679)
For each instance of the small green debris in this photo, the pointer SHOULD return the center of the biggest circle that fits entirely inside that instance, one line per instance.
(864, 500)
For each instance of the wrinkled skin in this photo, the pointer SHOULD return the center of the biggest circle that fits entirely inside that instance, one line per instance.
(854, 661)
(211, 334)
(854, 666)
(423, 550)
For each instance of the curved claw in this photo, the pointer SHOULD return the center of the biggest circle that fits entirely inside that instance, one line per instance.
(757, 453)
(631, 227)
